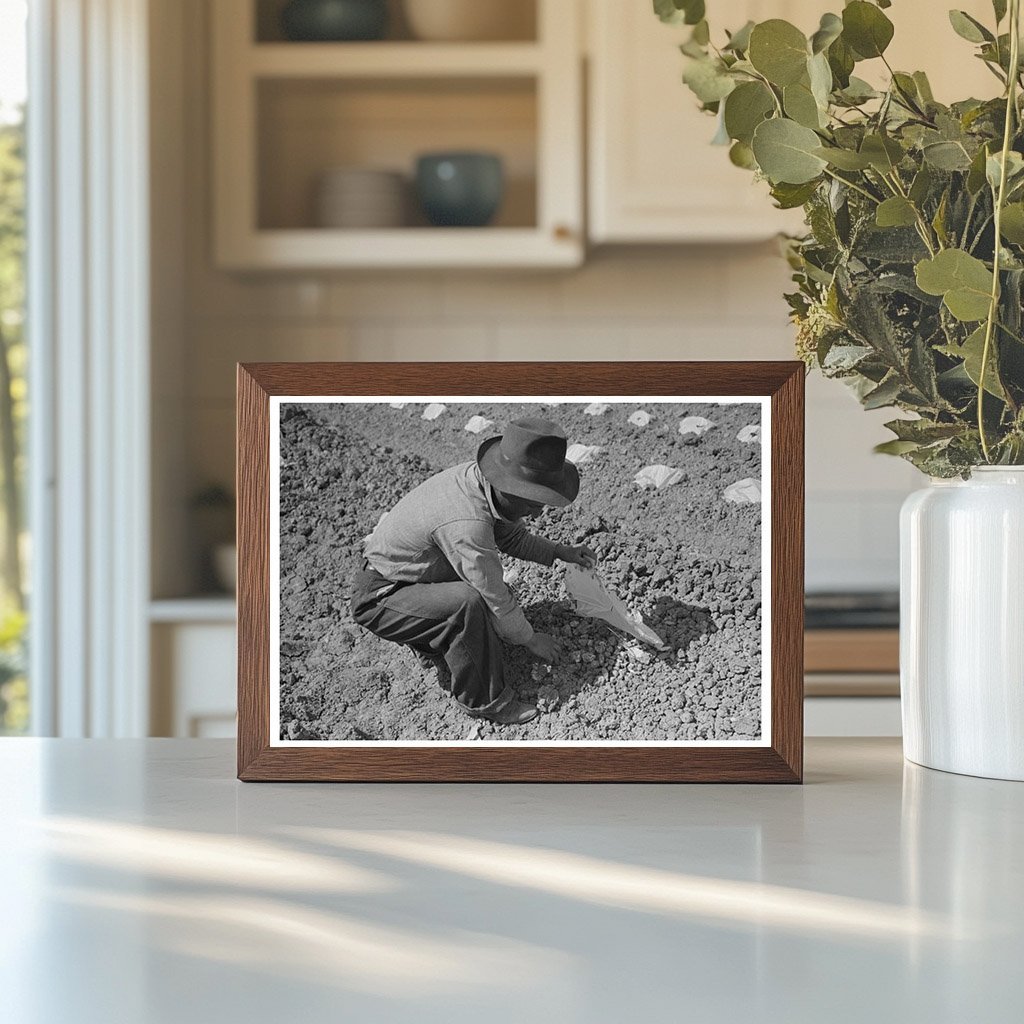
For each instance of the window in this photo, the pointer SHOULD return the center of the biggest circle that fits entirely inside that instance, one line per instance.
(14, 551)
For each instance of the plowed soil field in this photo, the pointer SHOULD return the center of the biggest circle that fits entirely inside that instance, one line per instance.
(683, 556)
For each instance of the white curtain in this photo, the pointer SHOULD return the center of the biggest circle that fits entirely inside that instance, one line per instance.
(88, 319)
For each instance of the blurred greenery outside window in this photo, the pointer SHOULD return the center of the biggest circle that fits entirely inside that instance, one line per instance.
(14, 694)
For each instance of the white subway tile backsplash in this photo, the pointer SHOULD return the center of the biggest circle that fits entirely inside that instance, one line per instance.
(501, 299)
(247, 298)
(214, 347)
(466, 342)
(413, 296)
(707, 340)
(645, 285)
(709, 303)
(560, 340)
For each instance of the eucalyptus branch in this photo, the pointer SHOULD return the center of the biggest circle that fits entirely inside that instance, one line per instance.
(914, 297)
(969, 217)
(771, 89)
(853, 185)
(1012, 334)
(923, 227)
(977, 238)
(1000, 198)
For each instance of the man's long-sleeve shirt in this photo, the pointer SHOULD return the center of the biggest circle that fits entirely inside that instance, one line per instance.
(448, 528)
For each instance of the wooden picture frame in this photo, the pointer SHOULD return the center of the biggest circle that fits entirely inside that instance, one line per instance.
(777, 757)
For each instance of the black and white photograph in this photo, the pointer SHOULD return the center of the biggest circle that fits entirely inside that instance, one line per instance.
(495, 570)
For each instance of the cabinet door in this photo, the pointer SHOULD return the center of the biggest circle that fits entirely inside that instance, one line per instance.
(654, 175)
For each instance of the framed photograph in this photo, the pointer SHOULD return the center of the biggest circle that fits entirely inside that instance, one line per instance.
(520, 572)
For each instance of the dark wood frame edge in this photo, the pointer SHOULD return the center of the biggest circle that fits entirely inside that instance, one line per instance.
(258, 761)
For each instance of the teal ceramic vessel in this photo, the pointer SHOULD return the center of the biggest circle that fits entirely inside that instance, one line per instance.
(460, 189)
(333, 21)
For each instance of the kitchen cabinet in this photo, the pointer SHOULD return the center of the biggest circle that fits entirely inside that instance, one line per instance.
(286, 113)
(653, 175)
(192, 649)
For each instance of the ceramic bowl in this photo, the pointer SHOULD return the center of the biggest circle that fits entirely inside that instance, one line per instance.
(334, 20)
(471, 20)
(460, 189)
(358, 197)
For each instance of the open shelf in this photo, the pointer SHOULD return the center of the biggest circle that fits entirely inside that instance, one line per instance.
(406, 248)
(393, 60)
(287, 113)
(308, 127)
(520, 16)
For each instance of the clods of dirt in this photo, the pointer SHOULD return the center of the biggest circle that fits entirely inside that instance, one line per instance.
(683, 557)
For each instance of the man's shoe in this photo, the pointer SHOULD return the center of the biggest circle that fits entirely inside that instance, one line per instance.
(512, 712)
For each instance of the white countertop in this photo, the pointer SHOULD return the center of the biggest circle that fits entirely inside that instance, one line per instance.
(143, 884)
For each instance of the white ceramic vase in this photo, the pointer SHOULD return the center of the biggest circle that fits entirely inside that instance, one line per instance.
(962, 624)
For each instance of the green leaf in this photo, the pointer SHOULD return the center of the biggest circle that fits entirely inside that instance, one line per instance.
(721, 137)
(906, 89)
(707, 80)
(895, 447)
(739, 41)
(789, 197)
(694, 11)
(1012, 223)
(800, 105)
(830, 29)
(963, 281)
(939, 220)
(701, 33)
(857, 91)
(885, 394)
(883, 153)
(999, 7)
(921, 185)
(841, 60)
(896, 212)
(969, 28)
(742, 155)
(923, 431)
(745, 108)
(976, 174)
(946, 156)
(924, 88)
(676, 12)
(778, 50)
(1014, 169)
(820, 76)
(844, 159)
(785, 152)
(866, 29)
(971, 352)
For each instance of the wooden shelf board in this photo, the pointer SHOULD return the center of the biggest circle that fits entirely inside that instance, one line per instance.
(402, 247)
(852, 650)
(851, 684)
(392, 60)
(205, 608)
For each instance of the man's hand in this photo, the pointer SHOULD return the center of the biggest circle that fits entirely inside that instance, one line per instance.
(545, 647)
(579, 554)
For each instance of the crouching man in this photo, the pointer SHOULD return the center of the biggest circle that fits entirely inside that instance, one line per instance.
(432, 576)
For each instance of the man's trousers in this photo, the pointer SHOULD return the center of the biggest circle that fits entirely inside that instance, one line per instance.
(447, 619)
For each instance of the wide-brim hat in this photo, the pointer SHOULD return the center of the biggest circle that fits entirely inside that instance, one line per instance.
(529, 461)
